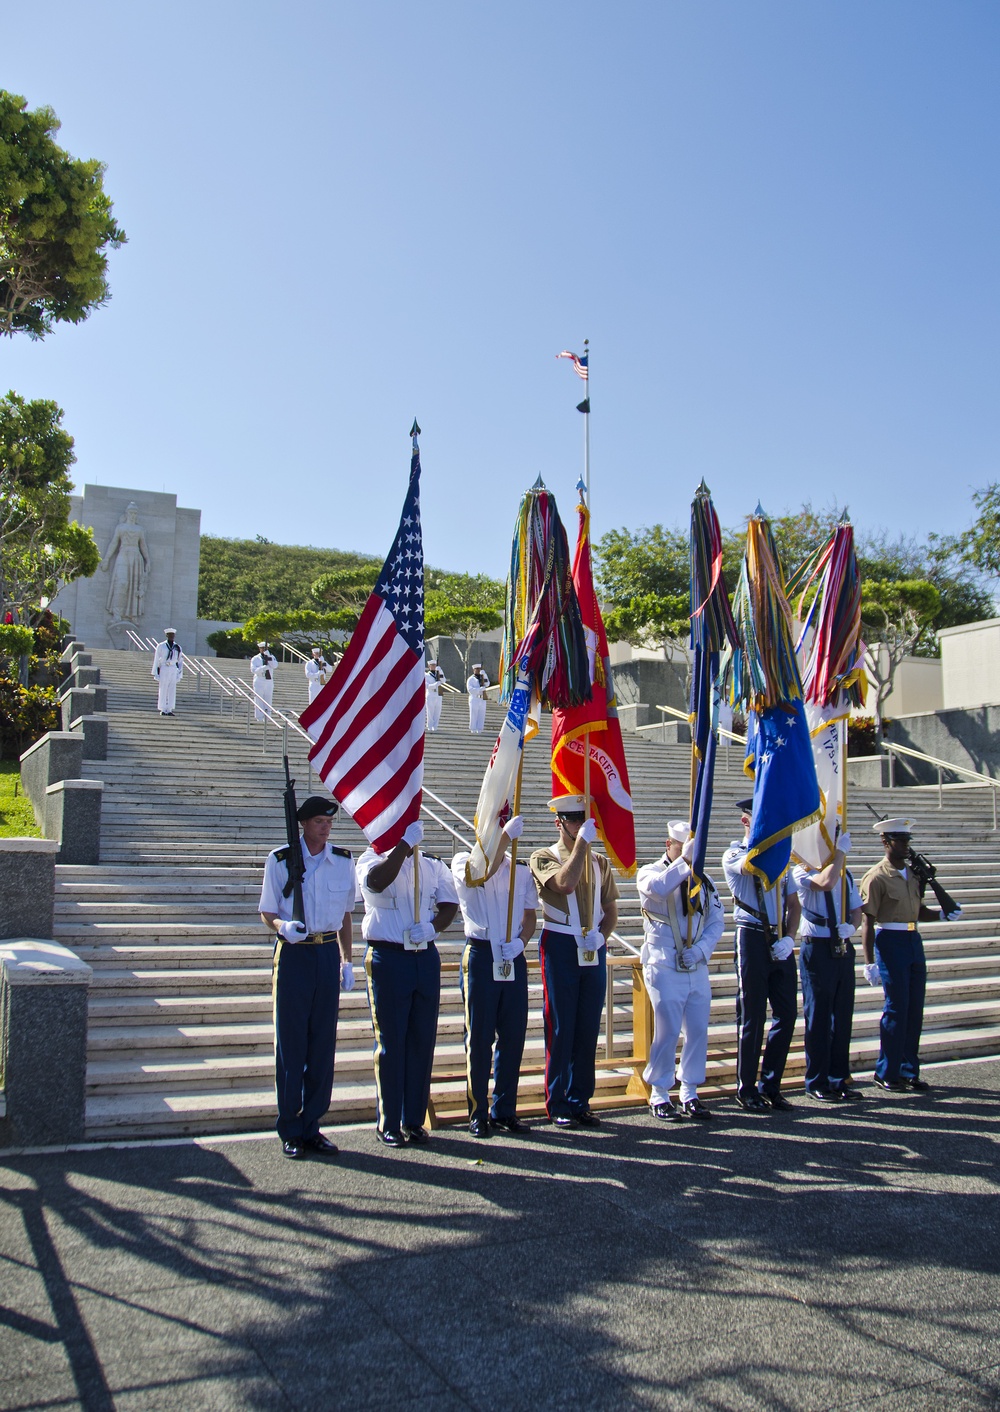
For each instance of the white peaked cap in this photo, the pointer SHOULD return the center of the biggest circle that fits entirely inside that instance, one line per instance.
(679, 830)
(893, 826)
(568, 804)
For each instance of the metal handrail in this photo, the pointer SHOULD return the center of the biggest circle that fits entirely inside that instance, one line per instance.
(136, 640)
(941, 766)
(685, 716)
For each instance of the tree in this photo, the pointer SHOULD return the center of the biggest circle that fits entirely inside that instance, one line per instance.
(979, 546)
(346, 591)
(894, 614)
(238, 578)
(644, 582)
(56, 225)
(461, 606)
(40, 548)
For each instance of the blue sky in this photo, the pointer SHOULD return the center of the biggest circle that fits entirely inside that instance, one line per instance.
(776, 221)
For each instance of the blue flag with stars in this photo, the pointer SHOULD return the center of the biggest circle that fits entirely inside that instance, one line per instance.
(785, 790)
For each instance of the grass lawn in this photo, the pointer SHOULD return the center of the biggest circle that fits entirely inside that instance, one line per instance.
(17, 819)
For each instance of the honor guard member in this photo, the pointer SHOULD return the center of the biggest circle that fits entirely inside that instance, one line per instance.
(404, 979)
(312, 964)
(766, 922)
(476, 687)
(675, 957)
(894, 956)
(495, 984)
(433, 677)
(262, 667)
(826, 969)
(168, 668)
(579, 900)
(317, 673)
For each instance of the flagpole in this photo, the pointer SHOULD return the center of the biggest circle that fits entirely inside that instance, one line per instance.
(513, 849)
(586, 427)
(843, 826)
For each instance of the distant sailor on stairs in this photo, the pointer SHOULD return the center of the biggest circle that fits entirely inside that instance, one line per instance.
(262, 667)
(168, 668)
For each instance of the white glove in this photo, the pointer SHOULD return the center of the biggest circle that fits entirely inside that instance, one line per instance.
(688, 958)
(507, 951)
(514, 827)
(346, 975)
(844, 843)
(952, 916)
(782, 949)
(871, 974)
(292, 932)
(846, 929)
(414, 833)
(687, 852)
(593, 941)
(588, 831)
(422, 931)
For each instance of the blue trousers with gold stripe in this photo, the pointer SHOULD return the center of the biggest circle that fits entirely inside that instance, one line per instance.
(404, 992)
(573, 998)
(306, 986)
(493, 1010)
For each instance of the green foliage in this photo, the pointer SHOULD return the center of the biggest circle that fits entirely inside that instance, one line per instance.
(461, 606)
(226, 643)
(644, 578)
(17, 818)
(15, 640)
(40, 548)
(863, 735)
(894, 614)
(56, 225)
(26, 713)
(979, 546)
(305, 625)
(240, 578)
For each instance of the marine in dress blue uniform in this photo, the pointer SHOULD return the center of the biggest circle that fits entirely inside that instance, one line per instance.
(494, 978)
(403, 969)
(579, 911)
(893, 906)
(766, 921)
(312, 963)
(826, 970)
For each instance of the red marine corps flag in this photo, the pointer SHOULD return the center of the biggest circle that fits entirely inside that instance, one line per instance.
(603, 777)
(368, 721)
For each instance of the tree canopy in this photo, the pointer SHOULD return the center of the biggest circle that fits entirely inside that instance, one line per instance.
(56, 225)
(240, 578)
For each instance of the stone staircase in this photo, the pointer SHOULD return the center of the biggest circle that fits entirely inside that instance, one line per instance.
(180, 1010)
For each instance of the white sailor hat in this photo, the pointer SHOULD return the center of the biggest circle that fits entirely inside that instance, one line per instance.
(568, 804)
(317, 651)
(432, 661)
(679, 830)
(166, 631)
(893, 826)
(262, 644)
(475, 665)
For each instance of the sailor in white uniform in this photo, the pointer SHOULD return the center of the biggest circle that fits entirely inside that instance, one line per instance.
(262, 667)
(476, 687)
(317, 673)
(675, 959)
(433, 677)
(168, 668)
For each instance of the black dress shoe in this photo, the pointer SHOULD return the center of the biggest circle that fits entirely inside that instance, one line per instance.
(391, 1137)
(480, 1127)
(694, 1108)
(510, 1125)
(825, 1095)
(918, 1085)
(665, 1111)
(321, 1144)
(293, 1147)
(777, 1101)
(752, 1102)
(418, 1135)
(587, 1119)
(563, 1120)
(890, 1085)
(850, 1093)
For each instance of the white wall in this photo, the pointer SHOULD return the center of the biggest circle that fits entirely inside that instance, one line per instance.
(970, 660)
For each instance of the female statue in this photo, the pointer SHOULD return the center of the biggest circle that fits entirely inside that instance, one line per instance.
(130, 557)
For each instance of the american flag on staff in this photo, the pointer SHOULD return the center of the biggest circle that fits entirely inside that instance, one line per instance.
(368, 721)
(580, 363)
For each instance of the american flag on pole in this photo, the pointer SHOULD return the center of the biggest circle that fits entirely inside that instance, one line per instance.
(368, 721)
(579, 361)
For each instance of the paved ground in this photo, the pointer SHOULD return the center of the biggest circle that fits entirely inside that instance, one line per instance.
(822, 1260)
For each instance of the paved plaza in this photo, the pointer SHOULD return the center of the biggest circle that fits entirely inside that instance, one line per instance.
(822, 1260)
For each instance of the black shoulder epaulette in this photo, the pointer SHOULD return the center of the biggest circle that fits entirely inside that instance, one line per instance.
(521, 863)
(435, 856)
(340, 852)
(282, 853)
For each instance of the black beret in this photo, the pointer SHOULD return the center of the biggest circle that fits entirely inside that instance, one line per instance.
(315, 805)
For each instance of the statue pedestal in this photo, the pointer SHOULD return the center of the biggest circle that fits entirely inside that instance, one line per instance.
(119, 634)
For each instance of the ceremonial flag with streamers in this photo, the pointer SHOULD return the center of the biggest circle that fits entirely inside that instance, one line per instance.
(580, 363)
(761, 677)
(496, 796)
(712, 628)
(595, 722)
(368, 721)
(831, 652)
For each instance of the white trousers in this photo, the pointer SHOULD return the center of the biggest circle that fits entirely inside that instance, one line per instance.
(477, 714)
(167, 690)
(433, 710)
(681, 1004)
(263, 695)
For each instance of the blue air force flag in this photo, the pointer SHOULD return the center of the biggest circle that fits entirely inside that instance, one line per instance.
(785, 790)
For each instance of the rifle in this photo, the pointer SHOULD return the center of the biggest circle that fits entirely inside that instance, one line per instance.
(925, 873)
(294, 862)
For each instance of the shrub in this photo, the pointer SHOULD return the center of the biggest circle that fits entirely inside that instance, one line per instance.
(861, 735)
(26, 713)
